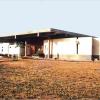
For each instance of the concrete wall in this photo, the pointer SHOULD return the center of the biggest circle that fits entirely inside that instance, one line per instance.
(11, 49)
(4, 48)
(62, 47)
(8, 49)
(85, 48)
(0, 48)
(67, 48)
(96, 48)
(14, 49)
(46, 48)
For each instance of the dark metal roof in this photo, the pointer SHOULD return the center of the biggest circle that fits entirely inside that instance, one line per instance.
(49, 33)
(72, 34)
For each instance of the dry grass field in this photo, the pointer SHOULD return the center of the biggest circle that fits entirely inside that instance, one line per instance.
(49, 80)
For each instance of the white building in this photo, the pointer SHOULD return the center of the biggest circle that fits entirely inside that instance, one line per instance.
(54, 43)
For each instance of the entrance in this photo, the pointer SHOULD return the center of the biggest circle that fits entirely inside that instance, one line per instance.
(33, 47)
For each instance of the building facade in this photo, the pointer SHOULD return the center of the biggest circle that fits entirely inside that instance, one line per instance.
(54, 43)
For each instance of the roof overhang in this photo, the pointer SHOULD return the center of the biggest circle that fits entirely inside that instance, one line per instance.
(44, 34)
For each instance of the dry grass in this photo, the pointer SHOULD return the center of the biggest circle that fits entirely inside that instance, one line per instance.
(49, 80)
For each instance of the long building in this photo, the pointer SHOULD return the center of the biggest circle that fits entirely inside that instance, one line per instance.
(54, 43)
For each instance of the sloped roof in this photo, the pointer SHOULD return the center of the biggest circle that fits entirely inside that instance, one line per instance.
(49, 32)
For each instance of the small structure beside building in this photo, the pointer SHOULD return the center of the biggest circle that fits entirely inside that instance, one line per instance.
(52, 43)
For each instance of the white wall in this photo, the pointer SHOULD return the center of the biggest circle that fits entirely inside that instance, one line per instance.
(0, 48)
(85, 46)
(46, 48)
(64, 46)
(14, 49)
(6, 48)
(96, 46)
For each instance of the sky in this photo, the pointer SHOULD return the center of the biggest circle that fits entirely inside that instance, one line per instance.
(81, 16)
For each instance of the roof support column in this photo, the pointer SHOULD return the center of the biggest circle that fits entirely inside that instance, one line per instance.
(8, 50)
(49, 48)
(77, 46)
(25, 48)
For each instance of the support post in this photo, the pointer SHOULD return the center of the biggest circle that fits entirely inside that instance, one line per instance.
(49, 48)
(77, 44)
(8, 50)
(25, 48)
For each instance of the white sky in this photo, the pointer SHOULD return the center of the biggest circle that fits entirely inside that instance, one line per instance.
(82, 16)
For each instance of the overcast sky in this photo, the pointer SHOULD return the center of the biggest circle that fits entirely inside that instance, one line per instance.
(82, 16)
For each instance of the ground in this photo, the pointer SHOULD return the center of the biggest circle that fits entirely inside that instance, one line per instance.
(49, 80)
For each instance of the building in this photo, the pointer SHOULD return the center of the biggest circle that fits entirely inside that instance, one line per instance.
(53, 43)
